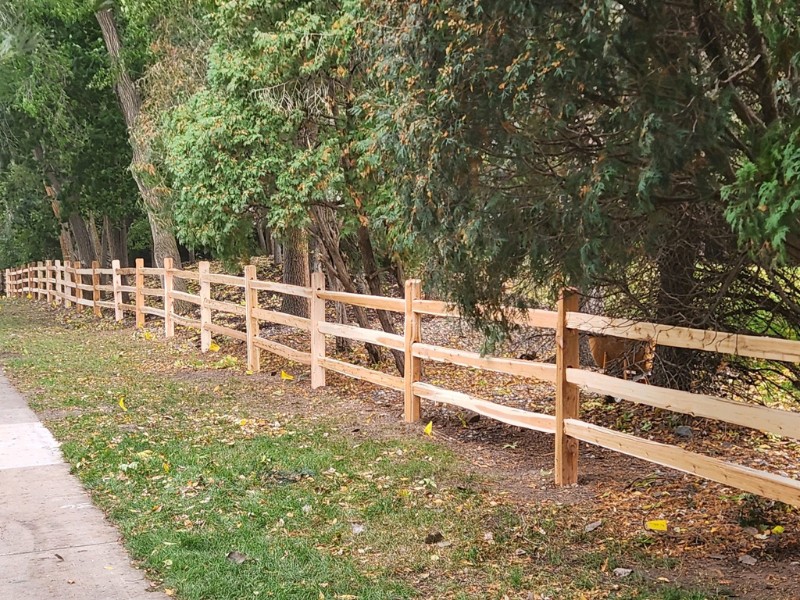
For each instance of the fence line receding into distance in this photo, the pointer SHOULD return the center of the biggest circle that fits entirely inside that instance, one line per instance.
(71, 284)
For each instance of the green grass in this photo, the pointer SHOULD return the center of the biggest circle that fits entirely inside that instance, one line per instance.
(193, 469)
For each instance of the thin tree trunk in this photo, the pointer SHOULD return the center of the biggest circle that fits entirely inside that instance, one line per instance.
(161, 224)
(295, 270)
(262, 238)
(328, 232)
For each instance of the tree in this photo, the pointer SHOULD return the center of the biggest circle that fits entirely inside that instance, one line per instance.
(57, 122)
(161, 225)
(606, 145)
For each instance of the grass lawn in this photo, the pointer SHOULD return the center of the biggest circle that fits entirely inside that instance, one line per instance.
(226, 485)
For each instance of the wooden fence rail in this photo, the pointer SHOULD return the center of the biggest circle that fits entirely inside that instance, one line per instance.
(123, 290)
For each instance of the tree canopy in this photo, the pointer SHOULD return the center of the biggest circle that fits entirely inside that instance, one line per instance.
(645, 151)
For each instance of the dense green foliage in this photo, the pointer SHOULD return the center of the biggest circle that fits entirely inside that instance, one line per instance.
(648, 151)
(60, 125)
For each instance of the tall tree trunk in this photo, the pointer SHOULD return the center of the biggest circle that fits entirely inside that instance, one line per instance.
(161, 224)
(83, 239)
(295, 270)
(53, 192)
(374, 283)
(117, 241)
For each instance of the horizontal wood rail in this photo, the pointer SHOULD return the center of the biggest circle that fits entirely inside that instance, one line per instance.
(222, 330)
(769, 420)
(359, 334)
(186, 321)
(222, 306)
(190, 275)
(509, 366)
(684, 337)
(123, 290)
(376, 302)
(298, 356)
(499, 412)
(184, 297)
(765, 484)
(281, 288)
(273, 316)
(358, 372)
(225, 279)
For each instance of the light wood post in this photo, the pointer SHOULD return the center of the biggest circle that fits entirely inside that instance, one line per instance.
(96, 289)
(251, 302)
(48, 285)
(116, 283)
(30, 281)
(139, 295)
(59, 290)
(37, 280)
(78, 281)
(567, 394)
(205, 312)
(413, 366)
(169, 302)
(317, 314)
(8, 283)
(67, 282)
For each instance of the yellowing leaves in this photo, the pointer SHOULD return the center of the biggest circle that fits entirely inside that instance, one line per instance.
(213, 346)
(122, 404)
(286, 376)
(656, 525)
(428, 428)
(149, 336)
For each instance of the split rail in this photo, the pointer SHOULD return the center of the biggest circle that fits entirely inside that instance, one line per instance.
(74, 285)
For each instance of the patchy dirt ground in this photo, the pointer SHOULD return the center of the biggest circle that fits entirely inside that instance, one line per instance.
(716, 535)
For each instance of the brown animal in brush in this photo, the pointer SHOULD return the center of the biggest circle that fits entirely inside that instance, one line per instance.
(619, 357)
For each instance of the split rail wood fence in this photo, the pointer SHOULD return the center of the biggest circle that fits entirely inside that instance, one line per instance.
(74, 285)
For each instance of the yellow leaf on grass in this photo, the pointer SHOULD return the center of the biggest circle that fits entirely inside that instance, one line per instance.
(213, 346)
(29, 296)
(122, 404)
(285, 376)
(657, 525)
(148, 335)
(778, 529)
(166, 467)
(428, 428)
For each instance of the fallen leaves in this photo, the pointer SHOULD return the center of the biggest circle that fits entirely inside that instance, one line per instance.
(656, 525)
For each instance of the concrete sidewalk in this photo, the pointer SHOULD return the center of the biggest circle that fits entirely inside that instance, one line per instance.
(54, 543)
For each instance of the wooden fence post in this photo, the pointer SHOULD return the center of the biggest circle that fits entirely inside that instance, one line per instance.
(37, 280)
(67, 281)
(169, 302)
(251, 302)
(116, 282)
(567, 394)
(205, 312)
(48, 285)
(30, 281)
(413, 366)
(317, 314)
(59, 291)
(78, 280)
(139, 295)
(96, 289)
(8, 283)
